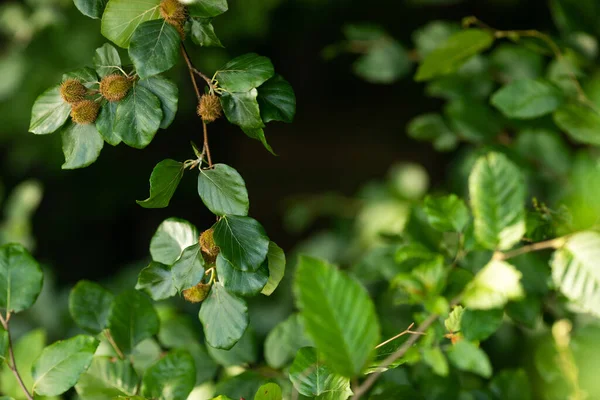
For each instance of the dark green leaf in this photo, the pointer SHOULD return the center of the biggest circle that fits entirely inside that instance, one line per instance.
(432, 127)
(276, 264)
(466, 356)
(496, 284)
(203, 33)
(106, 121)
(223, 190)
(385, 62)
(277, 100)
(49, 112)
(269, 391)
(240, 282)
(242, 109)
(243, 241)
(451, 55)
(59, 366)
(81, 145)
(312, 377)
(480, 324)
(259, 134)
(171, 238)
(156, 281)
(284, 341)
(138, 117)
(511, 384)
(527, 98)
(240, 386)
(245, 73)
(107, 378)
(20, 278)
(243, 353)
(91, 8)
(447, 214)
(224, 317)
(168, 94)
(189, 269)
(86, 75)
(163, 182)
(207, 8)
(472, 120)
(122, 17)
(171, 378)
(106, 60)
(132, 318)
(89, 304)
(338, 315)
(154, 47)
(580, 122)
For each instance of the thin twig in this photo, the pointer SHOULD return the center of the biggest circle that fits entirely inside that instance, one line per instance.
(13, 364)
(208, 158)
(549, 244)
(114, 344)
(191, 69)
(405, 332)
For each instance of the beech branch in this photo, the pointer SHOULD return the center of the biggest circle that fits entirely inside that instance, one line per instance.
(12, 364)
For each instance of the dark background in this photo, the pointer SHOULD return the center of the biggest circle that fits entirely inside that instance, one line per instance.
(346, 131)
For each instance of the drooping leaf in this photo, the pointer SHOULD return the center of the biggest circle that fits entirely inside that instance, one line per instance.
(154, 47)
(466, 356)
(497, 191)
(242, 283)
(168, 94)
(224, 317)
(188, 270)
(138, 117)
(242, 240)
(277, 100)
(480, 324)
(259, 134)
(245, 73)
(49, 112)
(446, 214)
(163, 183)
(575, 270)
(338, 315)
(276, 264)
(207, 8)
(527, 98)
(81, 144)
(106, 60)
(107, 378)
(580, 122)
(89, 305)
(132, 319)
(241, 108)
(312, 377)
(496, 284)
(172, 237)
(223, 190)
(59, 366)
(284, 341)
(451, 55)
(20, 278)
(170, 378)
(269, 391)
(203, 33)
(91, 8)
(122, 17)
(156, 281)
(106, 121)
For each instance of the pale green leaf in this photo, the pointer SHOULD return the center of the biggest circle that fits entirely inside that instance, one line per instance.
(496, 284)
(107, 378)
(26, 350)
(276, 263)
(81, 145)
(49, 112)
(122, 17)
(284, 341)
(452, 323)
(269, 391)
(171, 238)
(385, 62)
(527, 98)
(466, 356)
(163, 182)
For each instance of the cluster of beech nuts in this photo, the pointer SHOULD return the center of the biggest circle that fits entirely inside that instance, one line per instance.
(84, 110)
(210, 251)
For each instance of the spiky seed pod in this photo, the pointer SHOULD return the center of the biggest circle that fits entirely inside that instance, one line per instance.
(114, 87)
(173, 12)
(197, 293)
(72, 91)
(209, 108)
(85, 112)
(209, 248)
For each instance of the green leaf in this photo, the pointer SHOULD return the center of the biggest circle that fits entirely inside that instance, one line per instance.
(26, 351)
(106, 60)
(496, 284)
(20, 278)
(171, 378)
(106, 121)
(107, 378)
(224, 317)
(435, 359)
(203, 33)
(138, 118)
(154, 47)
(447, 213)
(512, 62)
(312, 377)
(244, 384)
(338, 314)
(511, 384)
(49, 112)
(168, 94)
(259, 134)
(189, 269)
(432, 127)
(223, 190)
(163, 183)
(466, 356)
(527, 98)
(132, 318)
(240, 282)
(385, 62)
(284, 341)
(156, 281)
(451, 55)
(207, 8)
(580, 122)
(172, 237)
(89, 305)
(432, 35)
(575, 269)
(497, 190)
(277, 100)
(242, 240)
(81, 145)
(453, 322)
(269, 391)
(59, 366)
(242, 109)
(480, 324)
(276, 264)
(122, 17)
(86, 75)
(91, 8)
(245, 73)
(243, 353)
(472, 120)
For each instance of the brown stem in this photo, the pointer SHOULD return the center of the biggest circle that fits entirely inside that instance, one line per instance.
(13, 364)
(405, 332)
(114, 344)
(209, 159)
(549, 244)
(191, 69)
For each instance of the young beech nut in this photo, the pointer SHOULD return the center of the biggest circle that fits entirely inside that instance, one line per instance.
(72, 91)
(209, 108)
(173, 12)
(114, 87)
(197, 293)
(84, 112)
(210, 250)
